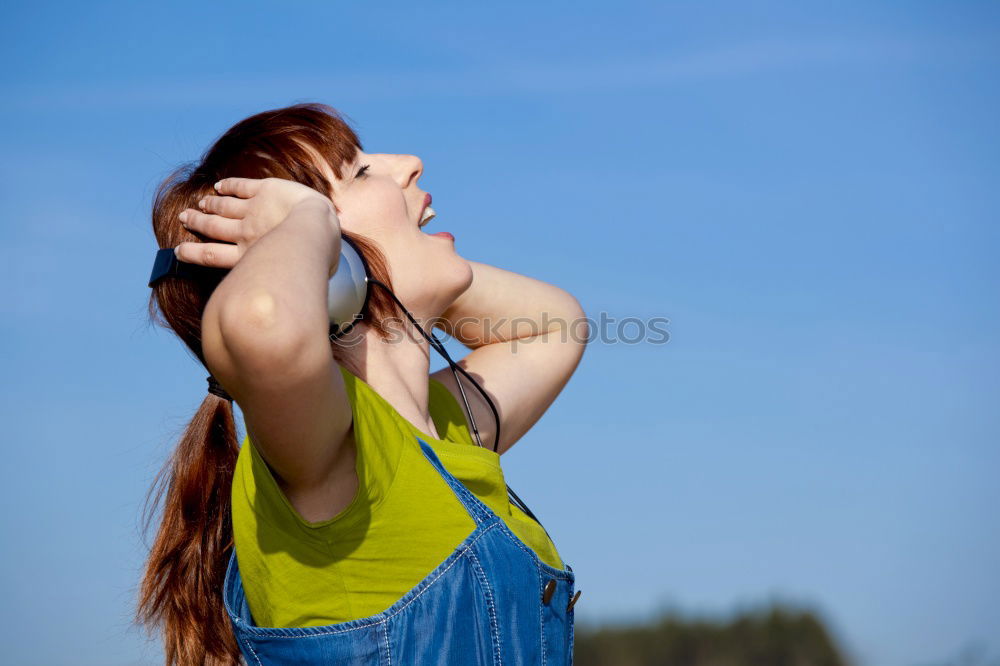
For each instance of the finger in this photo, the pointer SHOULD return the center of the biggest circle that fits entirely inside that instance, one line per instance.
(213, 255)
(213, 226)
(239, 187)
(225, 206)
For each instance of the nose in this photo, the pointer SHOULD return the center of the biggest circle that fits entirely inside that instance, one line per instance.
(409, 168)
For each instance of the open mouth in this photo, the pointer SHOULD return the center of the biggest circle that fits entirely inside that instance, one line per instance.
(429, 215)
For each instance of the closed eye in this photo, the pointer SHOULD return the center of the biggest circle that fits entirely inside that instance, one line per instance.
(362, 170)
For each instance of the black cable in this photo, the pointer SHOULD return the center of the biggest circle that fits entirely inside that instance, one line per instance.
(455, 368)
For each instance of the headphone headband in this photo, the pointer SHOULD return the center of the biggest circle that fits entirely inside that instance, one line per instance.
(167, 264)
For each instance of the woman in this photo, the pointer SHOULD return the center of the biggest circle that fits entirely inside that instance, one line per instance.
(358, 522)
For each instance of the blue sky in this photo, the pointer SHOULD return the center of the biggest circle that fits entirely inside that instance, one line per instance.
(807, 191)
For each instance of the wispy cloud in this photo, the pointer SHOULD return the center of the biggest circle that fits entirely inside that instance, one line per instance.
(511, 78)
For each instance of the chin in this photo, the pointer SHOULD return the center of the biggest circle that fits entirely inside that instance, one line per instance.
(465, 270)
(456, 280)
(466, 275)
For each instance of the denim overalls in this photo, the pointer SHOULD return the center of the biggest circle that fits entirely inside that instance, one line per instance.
(491, 602)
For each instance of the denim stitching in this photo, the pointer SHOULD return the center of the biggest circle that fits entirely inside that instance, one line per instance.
(534, 556)
(250, 647)
(464, 492)
(385, 632)
(492, 608)
(256, 632)
(481, 511)
(541, 615)
(476, 503)
(484, 517)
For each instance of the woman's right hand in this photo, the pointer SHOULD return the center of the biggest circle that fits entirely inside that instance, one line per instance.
(247, 209)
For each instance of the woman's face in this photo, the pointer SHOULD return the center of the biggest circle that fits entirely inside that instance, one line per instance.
(379, 198)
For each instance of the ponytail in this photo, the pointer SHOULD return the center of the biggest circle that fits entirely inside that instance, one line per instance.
(181, 588)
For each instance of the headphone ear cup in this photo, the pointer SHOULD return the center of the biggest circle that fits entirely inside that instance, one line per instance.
(347, 292)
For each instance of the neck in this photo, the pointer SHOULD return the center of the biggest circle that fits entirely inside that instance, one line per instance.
(397, 369)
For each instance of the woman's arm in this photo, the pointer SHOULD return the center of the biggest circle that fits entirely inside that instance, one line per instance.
(527, 338)
(265, 338)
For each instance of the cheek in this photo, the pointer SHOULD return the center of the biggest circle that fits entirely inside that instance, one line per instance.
(386, 212)
(376, 212)
(388, 202)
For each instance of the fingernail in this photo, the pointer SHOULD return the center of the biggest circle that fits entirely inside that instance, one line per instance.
(201, 204)
(218, 185)
(183, 216)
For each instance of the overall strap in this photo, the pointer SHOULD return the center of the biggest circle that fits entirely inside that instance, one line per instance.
(481, 513)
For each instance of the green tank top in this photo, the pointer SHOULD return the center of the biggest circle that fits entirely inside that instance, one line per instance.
(403, 521)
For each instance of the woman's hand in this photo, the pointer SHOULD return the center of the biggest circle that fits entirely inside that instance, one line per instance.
(247, 209)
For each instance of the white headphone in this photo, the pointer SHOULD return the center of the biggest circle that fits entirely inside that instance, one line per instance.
(347, 295)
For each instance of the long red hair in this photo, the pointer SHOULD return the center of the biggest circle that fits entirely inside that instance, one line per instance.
(180, 594)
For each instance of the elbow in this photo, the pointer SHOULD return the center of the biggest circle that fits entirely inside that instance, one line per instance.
(577, 324)
(254, 335)
(255, 314)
